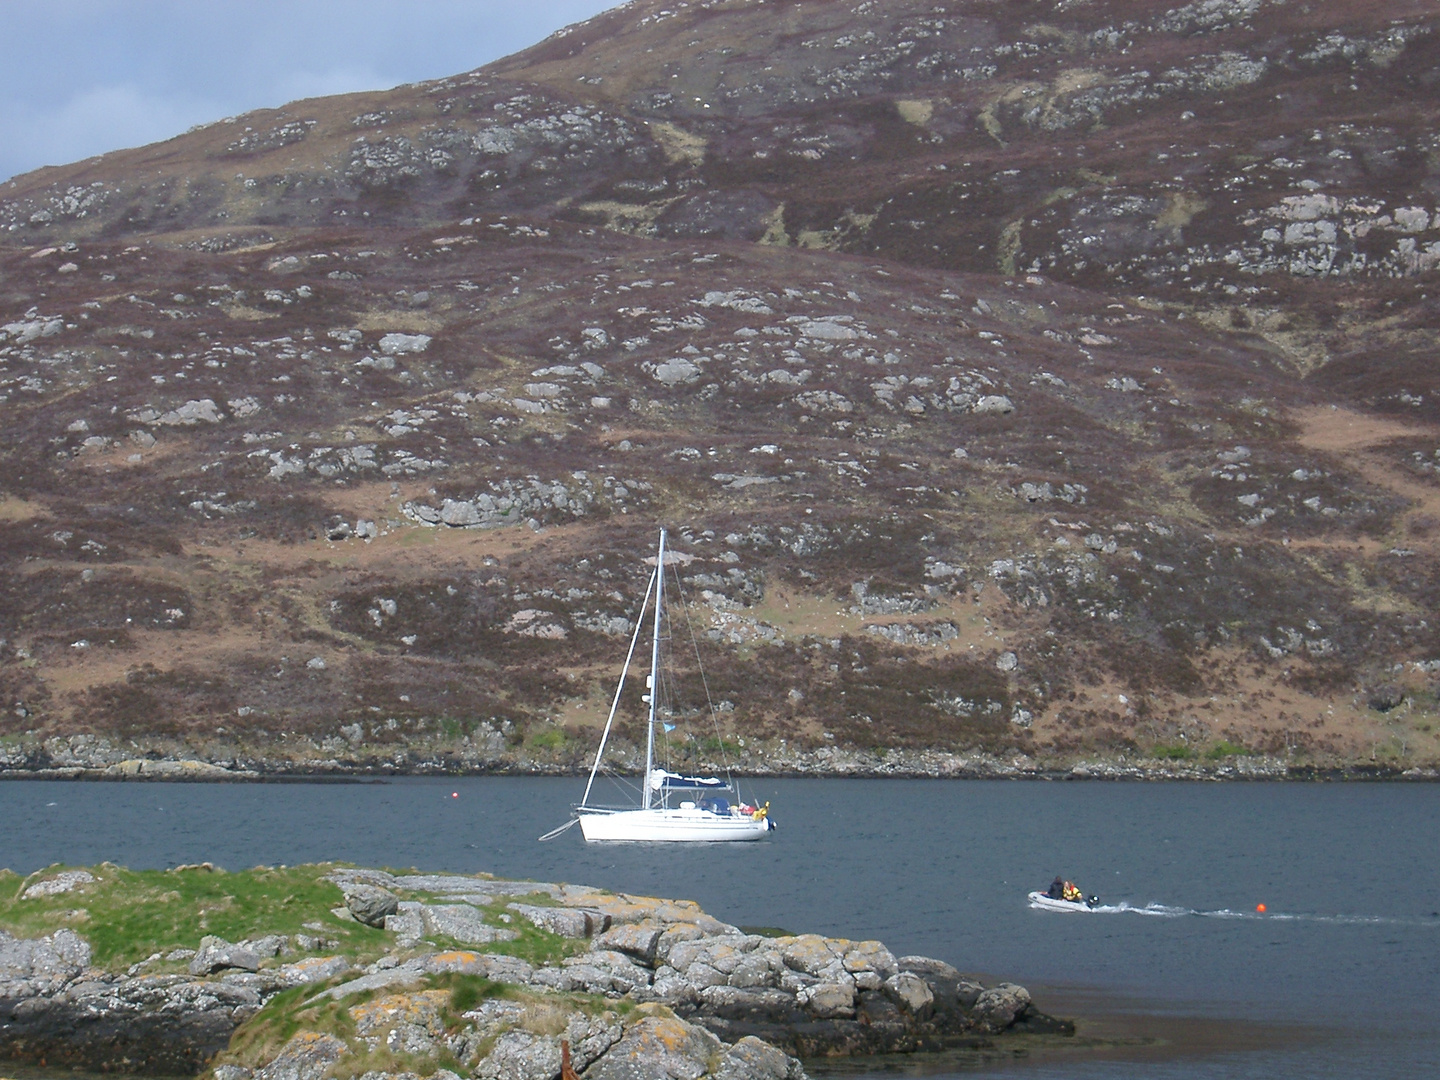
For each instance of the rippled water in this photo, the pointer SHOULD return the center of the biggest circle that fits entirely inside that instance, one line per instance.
(1339, 978)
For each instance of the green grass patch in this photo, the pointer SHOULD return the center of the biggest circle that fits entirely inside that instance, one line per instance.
(1224, 749)
(713, 745)
(128, 915)
(467, 991)
(1175, 752)
(260, 1038)
(553, 739)
(535, 946)
(767, 931)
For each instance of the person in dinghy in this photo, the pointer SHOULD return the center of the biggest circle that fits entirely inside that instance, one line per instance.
(1064, 889)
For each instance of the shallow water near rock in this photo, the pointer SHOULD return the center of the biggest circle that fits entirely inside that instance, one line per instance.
(1339, 978)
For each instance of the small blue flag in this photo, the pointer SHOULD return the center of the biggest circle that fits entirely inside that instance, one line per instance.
(668, 727)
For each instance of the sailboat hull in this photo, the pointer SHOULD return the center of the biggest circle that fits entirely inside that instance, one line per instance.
(663, 825)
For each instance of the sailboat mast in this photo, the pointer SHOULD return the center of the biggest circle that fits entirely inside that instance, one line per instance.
(654, 668)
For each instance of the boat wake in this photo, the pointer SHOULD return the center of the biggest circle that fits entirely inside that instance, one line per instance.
(1170, 911)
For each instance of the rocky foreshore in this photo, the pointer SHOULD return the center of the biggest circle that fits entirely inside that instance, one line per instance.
(90, 757)
(449, 976)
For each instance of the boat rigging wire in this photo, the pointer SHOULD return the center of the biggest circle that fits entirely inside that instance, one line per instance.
(704, 680)
(635, 637)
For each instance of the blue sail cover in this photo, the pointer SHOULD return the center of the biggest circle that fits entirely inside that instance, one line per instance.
(661, 778)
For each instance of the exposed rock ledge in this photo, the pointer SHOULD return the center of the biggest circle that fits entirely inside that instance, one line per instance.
(634, 986)
(89, 757)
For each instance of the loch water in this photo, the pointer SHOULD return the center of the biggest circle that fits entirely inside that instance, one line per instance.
(1339, 978)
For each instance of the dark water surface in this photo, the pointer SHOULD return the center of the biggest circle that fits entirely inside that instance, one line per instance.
(1340, 979)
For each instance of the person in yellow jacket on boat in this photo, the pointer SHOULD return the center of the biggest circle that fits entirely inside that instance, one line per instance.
(1061, 889)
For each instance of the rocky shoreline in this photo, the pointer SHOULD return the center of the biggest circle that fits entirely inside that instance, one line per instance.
(441, 975)
(91, 757)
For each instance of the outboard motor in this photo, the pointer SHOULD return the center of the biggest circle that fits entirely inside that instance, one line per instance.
(1092, 901)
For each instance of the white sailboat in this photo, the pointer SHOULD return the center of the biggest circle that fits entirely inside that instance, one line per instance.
(672, 807)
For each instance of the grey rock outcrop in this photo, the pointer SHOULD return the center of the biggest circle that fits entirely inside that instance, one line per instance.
(658, 1048)
(567, 922)
(637, 941)
(1000, 1006)
(910, 992)
(370, 904)
(462, 923)
(306, 1056)
(754, 1059)
(54, 1006)
(216, 953)
(28, 968)
(63, 882)
(713, 1002)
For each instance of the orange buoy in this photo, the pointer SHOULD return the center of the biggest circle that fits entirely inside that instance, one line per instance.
(1260, 908)
(454, 794)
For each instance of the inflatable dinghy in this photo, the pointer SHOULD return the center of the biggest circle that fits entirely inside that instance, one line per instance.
(1044, 900)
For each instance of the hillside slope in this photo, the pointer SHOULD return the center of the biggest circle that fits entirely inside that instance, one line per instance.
(1030, 383)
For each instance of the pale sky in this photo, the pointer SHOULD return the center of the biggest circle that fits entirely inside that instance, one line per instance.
(80, 77)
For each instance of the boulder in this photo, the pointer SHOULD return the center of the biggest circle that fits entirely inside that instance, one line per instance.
(521, 1055)
(637, 941)
(809, 953)
(671, 987)
(679, 934)
(871, 956)
(828, 1000)
(994, 405)
(567, 922)
(910, 992)
(1000, 1006)
(462, 923)
(758, 969)
(460, 961)
(875, 1010)
(41, 965)
(216, 954)
(370, 904)
(623, 972)
(400, 344)
(307, 1056)
(754, 1059)
(312, 969)
(270, 945)
(967, 992)
(951, 989)
(62, 882)
(414, 1021)
(658, 1048)
(591, 1036)
(700, 975)
(508, 969)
